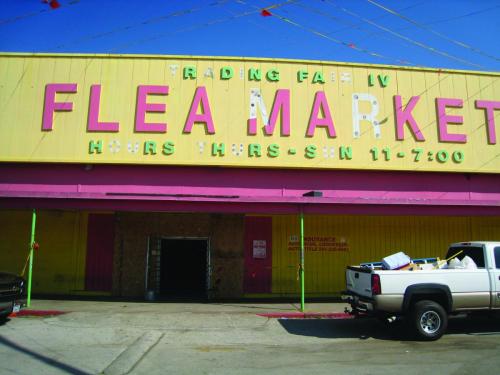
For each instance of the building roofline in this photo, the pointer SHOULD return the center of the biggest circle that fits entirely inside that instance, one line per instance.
(248, 59)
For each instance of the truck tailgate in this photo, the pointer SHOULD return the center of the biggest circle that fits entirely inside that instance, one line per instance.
(359, 281)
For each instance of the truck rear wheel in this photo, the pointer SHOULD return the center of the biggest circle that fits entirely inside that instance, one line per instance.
(429, 320)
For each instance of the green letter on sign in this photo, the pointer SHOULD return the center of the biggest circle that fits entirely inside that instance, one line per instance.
(218, 149)
(318, 77)
(346, 152)
(168, 148)
(273, 75)
(226, 72)
(254, 74)
(149, 148)
(189, 72)
(310, 152)
(254, 150)
(273, 150)
(95, 147)
(301, 75)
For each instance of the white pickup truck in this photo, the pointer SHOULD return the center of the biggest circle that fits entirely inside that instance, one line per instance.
(425, 298)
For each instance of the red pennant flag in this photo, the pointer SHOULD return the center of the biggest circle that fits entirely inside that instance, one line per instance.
(54, 4)
(265, 13)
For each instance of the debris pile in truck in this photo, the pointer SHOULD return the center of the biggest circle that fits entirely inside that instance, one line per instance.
(396, 261)
(402, 262)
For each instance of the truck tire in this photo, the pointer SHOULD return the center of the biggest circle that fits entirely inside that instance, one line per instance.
(429, 320)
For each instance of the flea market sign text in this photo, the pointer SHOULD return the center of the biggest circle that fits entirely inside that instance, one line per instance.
(281, 115)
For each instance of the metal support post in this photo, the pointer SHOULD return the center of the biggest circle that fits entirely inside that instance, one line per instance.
(302, 282)
(30, 269)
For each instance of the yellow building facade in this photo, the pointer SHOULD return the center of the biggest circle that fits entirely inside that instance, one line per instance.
(185, 176)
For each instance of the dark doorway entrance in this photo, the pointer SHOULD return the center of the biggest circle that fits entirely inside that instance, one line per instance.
(184, 265)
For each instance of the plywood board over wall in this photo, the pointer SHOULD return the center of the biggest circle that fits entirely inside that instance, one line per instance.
(224, 233)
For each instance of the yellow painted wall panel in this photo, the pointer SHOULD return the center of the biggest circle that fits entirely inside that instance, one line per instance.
(59, 264)
(368, 239)
(15, 232)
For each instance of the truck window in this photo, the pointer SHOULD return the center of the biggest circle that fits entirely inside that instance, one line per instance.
(497, 257)
(476, 253)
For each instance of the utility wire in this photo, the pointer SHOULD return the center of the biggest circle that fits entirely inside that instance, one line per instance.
(325, 36)
(32, 14)
(424, 27)
(145, 22)
(443, 20)
(194, 27)
(475, 13)
(356, 25)
(353, 25)
(407, 39)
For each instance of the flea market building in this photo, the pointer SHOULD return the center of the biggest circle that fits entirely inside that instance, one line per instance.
(186, 175)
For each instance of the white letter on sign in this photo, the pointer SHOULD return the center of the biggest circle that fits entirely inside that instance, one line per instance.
(371, 117)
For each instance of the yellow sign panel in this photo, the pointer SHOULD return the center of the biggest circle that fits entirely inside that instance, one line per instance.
(246, 112)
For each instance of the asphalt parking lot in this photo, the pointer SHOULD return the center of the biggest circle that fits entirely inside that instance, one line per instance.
(231, 338)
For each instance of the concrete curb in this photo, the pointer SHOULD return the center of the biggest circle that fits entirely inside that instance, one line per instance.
(127, 359)
(29, 312)
(306, 315)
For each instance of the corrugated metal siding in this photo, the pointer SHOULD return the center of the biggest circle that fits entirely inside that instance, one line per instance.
(369, 238)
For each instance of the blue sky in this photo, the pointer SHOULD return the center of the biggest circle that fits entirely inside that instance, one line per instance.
(455, 34)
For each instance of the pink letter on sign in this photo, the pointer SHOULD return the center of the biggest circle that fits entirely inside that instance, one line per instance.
(50, 104)
(490, 107)
(142, 107)
(444, 120)
(281, 105)
(200, 96)
(321, 105)
(93, 122)
(404, 115)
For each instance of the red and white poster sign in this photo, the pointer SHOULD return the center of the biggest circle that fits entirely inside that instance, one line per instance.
(259, 249)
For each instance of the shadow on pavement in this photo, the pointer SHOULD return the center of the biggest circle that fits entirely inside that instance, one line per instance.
(336, 328)
(371, 328)
(40, 357)
(480, 326)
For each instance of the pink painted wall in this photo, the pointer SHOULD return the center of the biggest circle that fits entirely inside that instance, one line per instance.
(168, 188)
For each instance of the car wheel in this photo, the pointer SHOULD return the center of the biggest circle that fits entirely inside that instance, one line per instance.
(429, 320)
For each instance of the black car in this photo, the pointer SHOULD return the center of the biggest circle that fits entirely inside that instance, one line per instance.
(12, 294)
